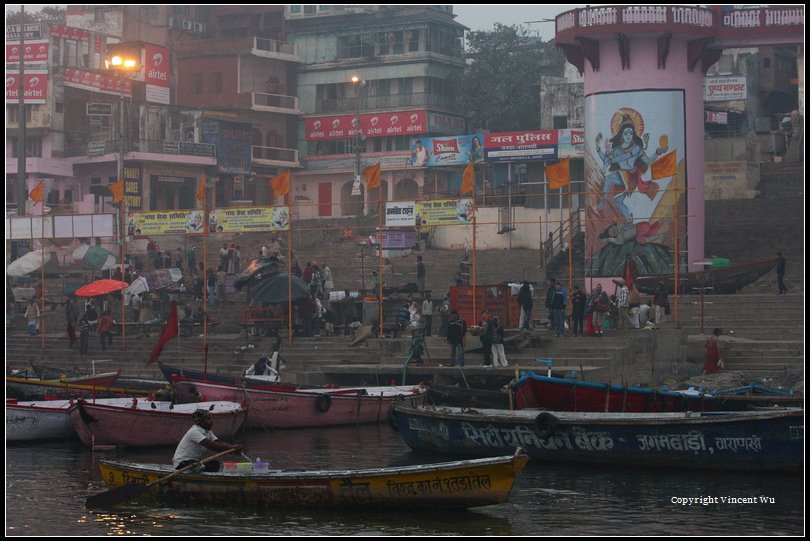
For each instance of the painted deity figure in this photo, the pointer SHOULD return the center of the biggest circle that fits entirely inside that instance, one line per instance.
(625, 160)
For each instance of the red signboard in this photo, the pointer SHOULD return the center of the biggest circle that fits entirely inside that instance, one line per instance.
(372, 125)
(69, 32)
(35, 87)
(97, 82)
(156, 68)
(497, 299)
(35, 51)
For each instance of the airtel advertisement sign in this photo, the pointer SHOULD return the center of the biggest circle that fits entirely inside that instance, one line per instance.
(35, 87)
(156, 74)
(371, 125)
(35, 51)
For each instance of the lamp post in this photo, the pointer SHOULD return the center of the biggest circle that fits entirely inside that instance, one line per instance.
(126, 67)
(358, 139)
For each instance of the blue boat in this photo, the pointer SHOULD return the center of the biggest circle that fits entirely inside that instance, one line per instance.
(770, 439)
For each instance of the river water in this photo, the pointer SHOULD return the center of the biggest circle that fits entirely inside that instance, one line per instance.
(47, 484)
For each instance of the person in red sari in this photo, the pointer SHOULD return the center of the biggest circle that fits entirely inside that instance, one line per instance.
(712, 364)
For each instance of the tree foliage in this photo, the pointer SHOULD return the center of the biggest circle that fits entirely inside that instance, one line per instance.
(501, 85)
(47, 14)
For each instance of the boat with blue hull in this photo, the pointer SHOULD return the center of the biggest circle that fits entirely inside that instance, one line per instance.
(770, 439)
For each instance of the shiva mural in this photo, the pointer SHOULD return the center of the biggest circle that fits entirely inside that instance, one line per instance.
(635, 179)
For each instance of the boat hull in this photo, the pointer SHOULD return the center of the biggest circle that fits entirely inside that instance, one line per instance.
(557, 394)
(43, 420)
(270, 408)
(34, 389)
(761, 440)
(142, 426)
(460, 484)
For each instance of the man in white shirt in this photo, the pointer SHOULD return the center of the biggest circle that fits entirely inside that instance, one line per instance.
(427, 313)
(199, 438)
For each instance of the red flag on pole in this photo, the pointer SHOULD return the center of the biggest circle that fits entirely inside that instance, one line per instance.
(559, 174)
(280, 184)
(36, 193)
(117, 191)
(373, 176)
(468, 180)
(169, 332)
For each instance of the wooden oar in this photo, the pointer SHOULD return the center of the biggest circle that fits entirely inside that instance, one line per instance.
(132, 491)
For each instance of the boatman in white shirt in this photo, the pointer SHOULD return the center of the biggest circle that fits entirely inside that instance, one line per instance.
(199, 438)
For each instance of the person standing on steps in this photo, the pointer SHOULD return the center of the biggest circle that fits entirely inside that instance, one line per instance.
(498, 354)
(524, 299)
(456, 330)
(420, 274)
(780, 273)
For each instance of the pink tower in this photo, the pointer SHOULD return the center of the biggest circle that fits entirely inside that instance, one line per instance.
(644, 68)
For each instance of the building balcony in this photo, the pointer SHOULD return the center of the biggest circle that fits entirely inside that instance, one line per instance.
(269, 103)
(263, 47)
(374, 103)
(273, 156)
(144, 150)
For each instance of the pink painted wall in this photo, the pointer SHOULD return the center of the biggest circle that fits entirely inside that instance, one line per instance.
(645, 74)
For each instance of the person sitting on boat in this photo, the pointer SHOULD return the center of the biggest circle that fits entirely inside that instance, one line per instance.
(199, 438)
(264, 367)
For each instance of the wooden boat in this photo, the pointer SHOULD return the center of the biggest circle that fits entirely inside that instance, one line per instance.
(448, 485)
(758, 440)
(729, 279)
(43, 419)
(105, 379)
(173, 374)
(557, 394)
(144, 423)
(272, 407)
(36, 389)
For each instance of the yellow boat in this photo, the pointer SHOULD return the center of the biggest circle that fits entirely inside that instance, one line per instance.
(448, 485)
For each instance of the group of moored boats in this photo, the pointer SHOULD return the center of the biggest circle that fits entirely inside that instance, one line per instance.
(556, 420)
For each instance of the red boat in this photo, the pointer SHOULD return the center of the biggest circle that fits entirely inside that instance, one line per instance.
(557, 394)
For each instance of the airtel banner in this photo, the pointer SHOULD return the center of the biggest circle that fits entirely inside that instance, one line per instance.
(35, 51)
(372, 125)
(35, 87)
(97, 82)
(156, 74)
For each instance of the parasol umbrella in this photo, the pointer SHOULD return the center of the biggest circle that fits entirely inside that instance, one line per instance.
(29, 262)
(257, 270)
(139, 285)
(97, 258)
(100, 287)
(78, 253)
(274, 290)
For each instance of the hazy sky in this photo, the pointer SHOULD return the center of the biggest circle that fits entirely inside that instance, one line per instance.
(473, 16)
(484, 16)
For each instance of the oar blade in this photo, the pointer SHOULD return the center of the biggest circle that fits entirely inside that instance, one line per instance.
(115, 496)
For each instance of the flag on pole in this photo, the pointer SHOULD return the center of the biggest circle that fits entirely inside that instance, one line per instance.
(117, 191)
(468, 181)
(280, 184)
(559, 174)
(36, 194)
(664, 167)
(201, 190)
(373, 175)
(169, 332)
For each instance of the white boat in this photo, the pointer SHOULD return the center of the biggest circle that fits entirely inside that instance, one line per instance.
(44, 419)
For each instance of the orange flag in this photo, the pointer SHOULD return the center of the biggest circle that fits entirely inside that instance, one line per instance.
(201, 190)
(36, 194)
(117, 191)
(664, 167)
(280, 184)
(559, 174)
(468, 181)
(373, 175)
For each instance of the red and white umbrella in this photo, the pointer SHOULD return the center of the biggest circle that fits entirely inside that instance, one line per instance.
(100, 287)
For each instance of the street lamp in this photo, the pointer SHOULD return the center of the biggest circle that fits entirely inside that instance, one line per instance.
(358, 141)
(125, 64)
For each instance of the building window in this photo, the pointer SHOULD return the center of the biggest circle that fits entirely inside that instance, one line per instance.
(33, 147)
(295, 9)
(560, 122)
(98, 15)
(13, 114)
(215, 83)
(309, 9)
(196, 83)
